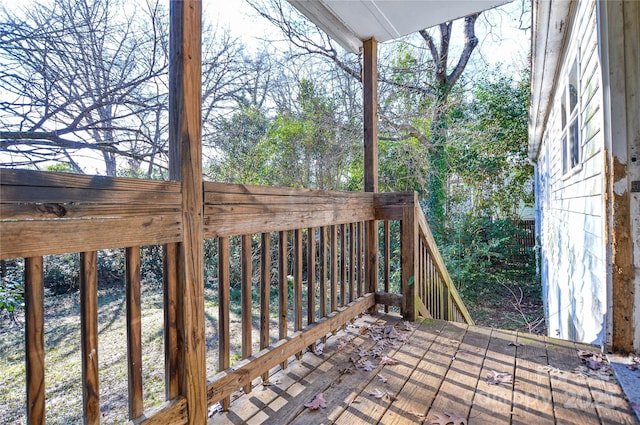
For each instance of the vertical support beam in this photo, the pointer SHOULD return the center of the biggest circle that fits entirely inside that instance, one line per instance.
(134, 332)
(34, 339)
(387, 259)
(311, 276)
(89, 336)
(409, 265)
(185, 165)
(370, 99)
(265, 291)
(297, 283)
(334, 267)
(370, 107)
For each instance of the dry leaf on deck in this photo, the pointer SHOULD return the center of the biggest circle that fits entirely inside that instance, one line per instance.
(446, 418)
(382, 378)
(318, 350)
(342, 343)
(368, 366)
(317, 402)
(495, 378)
(388, 361)
(515, 344)
(383, 394)
(406, 326)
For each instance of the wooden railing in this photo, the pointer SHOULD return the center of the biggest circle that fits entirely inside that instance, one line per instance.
(317, 242)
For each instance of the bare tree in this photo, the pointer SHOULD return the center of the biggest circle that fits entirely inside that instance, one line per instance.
(77, 75)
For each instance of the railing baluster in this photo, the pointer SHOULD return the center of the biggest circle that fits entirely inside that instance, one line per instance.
(224, 299)
(311, 276)
(170, 294)
(134, 332)
(297, 283)
(282, 289)
(359, 253)
(322, 258)
(89, 336)
(334, 267)
(343, 266)
(265, 292)
(352, 262)
(246, 300)
(387, 259)
(34, 339)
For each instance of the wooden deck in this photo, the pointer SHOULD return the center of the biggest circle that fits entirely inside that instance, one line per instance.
(442, 367)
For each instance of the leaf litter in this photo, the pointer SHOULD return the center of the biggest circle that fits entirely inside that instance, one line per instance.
(317, 402)
(594, 365)
(446, 418)
(495, 378)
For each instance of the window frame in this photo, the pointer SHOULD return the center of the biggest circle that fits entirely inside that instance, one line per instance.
(571, 124)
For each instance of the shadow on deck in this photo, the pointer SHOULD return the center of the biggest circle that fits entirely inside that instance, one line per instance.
(441, 369)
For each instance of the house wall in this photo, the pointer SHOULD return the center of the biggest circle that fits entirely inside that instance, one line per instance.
(571, 205)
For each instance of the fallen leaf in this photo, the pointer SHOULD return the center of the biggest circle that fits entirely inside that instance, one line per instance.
(378, 394)
(446, 418)
(383, 395)
(388, 361)
(406, 326)
(368, 366)
(382, 378)
(317, 402)
(342, 343)
(318, 350)
(495, 378)
(516, 344)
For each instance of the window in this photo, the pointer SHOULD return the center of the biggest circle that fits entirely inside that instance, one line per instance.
(571, 146)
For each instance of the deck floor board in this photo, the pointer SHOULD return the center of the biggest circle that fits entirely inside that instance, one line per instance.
(442, 369)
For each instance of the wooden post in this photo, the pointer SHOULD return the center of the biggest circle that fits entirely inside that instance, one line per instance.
(247, 274)
(89, 336)
(34, 339)
(134, 332)
(408, 250)
(185, 165)
(370, 99)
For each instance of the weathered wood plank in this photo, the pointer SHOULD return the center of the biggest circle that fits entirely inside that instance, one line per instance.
(457, 392)
(494, 402)
(267, 405)
(417, 395)
(172, 356)
(297, 282)
(27, 178)
(227, 382)
(371, 260)
(216, 190)
(571, 396)
(34, 339)
(311, 275)
(388, 299)
(67, 195)
(334, 267)
(89, 336)
(24, 238)
(343, 265)
(352, 262)
(246, 294)
(172, 412)
(224, 300)
(387, 259)
(55, 211)
(283, 298)
(228, 224)
(370, 113)
(322, 258)
(265, 293)
(532, 398)
(408, 264)
(134, 332)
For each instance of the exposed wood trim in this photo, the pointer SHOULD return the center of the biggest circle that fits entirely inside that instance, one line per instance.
(34, 340)
(408, 253)
(172, 412)
(185, 165)
(225, 383)
(172, 355)
(265, 292)
(247, 316)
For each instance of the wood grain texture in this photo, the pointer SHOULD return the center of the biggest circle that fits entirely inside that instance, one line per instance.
(408, 265)
(89, 336)
(134, 332)
(172, 356)
(34, 339)
(370, 113)
(185, 166)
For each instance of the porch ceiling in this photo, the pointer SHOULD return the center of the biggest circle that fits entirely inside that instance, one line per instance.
(349, 22)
